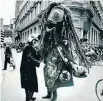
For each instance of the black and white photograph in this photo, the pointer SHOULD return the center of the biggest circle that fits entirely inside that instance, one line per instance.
(51, 50)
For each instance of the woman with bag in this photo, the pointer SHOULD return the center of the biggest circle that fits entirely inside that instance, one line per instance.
(29, 63)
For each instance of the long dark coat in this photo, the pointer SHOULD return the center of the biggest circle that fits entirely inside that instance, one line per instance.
(8, 53)
(28, 69)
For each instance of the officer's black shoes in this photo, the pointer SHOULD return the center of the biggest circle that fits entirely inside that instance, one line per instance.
(3, 69)
(48, 96)
(33, 99)
(14, 67)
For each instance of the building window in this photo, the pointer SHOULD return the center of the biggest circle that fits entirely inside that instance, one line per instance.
(35, 12)
(84, 34)
(25, 36)
(92, 36)
(31, 15)
(89, 37)
(28, 17)
(24, 22)
(40, 7)
(96, 38)
(20, 22)
(25, 19)
(39, 28)
(28, 34)
(34, 29)
(30, 31)
(22, 37)
(26, 7)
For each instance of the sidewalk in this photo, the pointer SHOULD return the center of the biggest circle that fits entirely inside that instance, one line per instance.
(83, 89)
(0, 71)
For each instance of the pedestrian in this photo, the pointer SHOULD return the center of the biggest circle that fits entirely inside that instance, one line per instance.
(8, 57)
(28, 66)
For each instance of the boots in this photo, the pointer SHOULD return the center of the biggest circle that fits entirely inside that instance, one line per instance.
(48, 96)
(31, 96)
(27, 94)
(54, 96)
(33, 99)
(27, 99)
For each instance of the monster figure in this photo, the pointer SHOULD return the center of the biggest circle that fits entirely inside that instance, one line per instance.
(58, 44)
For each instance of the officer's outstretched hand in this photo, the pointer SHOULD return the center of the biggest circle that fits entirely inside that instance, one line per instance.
(42, 64)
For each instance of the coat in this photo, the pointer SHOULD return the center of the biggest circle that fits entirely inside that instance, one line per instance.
(8, 53)
(53, 69)
(28, 69)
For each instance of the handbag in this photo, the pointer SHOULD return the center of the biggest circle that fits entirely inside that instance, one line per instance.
(64, 76)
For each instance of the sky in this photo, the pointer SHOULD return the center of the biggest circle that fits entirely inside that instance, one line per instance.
(7, 10)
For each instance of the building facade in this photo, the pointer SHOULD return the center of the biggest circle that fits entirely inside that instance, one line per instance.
(27, 20)
(17, 6)
(95, 34)
(86, 19)
(1, 31)
(8, 34)
(12, 24)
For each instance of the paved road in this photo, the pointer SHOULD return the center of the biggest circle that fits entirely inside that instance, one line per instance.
(83, 89)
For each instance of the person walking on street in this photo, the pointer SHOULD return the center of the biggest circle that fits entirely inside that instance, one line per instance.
(28, 66)
(8, 57)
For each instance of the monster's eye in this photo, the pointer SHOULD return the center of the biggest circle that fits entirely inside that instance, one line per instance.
(56, 16)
